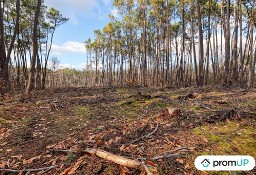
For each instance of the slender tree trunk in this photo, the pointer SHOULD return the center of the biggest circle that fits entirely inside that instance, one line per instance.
(30, 85)
(10, 49)
(167, 46)
(193, 42)
(241, 73)
(2, 45)
(252, 57)
(222, 27)
(227, 44)
(208, 44)
(201, 46)
(181, 70)
(47, 58)
(235, 55)
(144, 46)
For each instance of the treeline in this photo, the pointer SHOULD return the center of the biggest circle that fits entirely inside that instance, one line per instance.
(26, 35)
(68, 78)
(175, 42)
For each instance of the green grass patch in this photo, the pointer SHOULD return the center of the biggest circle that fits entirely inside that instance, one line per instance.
(162, 105)
(83, 112)
(131, 108)
(135, 102)
(229, 138)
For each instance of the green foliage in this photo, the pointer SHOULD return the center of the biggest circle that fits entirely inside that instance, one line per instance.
(55, 18)
(175, 28)
(108, 29)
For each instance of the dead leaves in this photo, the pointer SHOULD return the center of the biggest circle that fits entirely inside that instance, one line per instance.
(113, 137)
(29, 161)
(72, 170)
(4, 132)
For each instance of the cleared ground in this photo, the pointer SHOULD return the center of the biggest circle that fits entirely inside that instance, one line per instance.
(210, 121)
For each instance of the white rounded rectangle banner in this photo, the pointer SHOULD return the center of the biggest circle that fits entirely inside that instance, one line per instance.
(225, 163)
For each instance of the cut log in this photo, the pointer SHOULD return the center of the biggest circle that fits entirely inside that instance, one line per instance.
(167, 113)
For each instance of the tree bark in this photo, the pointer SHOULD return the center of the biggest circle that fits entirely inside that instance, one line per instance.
(235, 56)
(9, 51)
(201, 46)
(227, 44)
(30, 84)
(2, 44)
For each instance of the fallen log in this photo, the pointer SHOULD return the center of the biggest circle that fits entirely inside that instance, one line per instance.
(120, 160)
(114, 158)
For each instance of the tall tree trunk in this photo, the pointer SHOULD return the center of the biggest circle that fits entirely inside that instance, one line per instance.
(234, 50)
(241, 73)
(144, 46)
(30, 84)
(193, 41)
(167, 46)
(47, 57)
(208, 43)
(222, 27)
(252, 57)
(181, 70)
(227, 44)
(10, 49)
(2, 45)
(201, 46)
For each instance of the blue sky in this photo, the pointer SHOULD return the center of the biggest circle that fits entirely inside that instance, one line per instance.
(85, 16)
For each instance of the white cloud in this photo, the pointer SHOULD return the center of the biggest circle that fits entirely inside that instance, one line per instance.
(68, 47)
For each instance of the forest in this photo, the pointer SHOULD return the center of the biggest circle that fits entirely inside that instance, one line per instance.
(182, 43)
(164, 81)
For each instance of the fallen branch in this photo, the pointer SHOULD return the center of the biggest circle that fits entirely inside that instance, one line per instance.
(29, 170)
(145, 136)
(178, 149)
(108, 156)
(130, 163)
(169, 155)
(114, 158)
(165, 156)
(210, 109)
